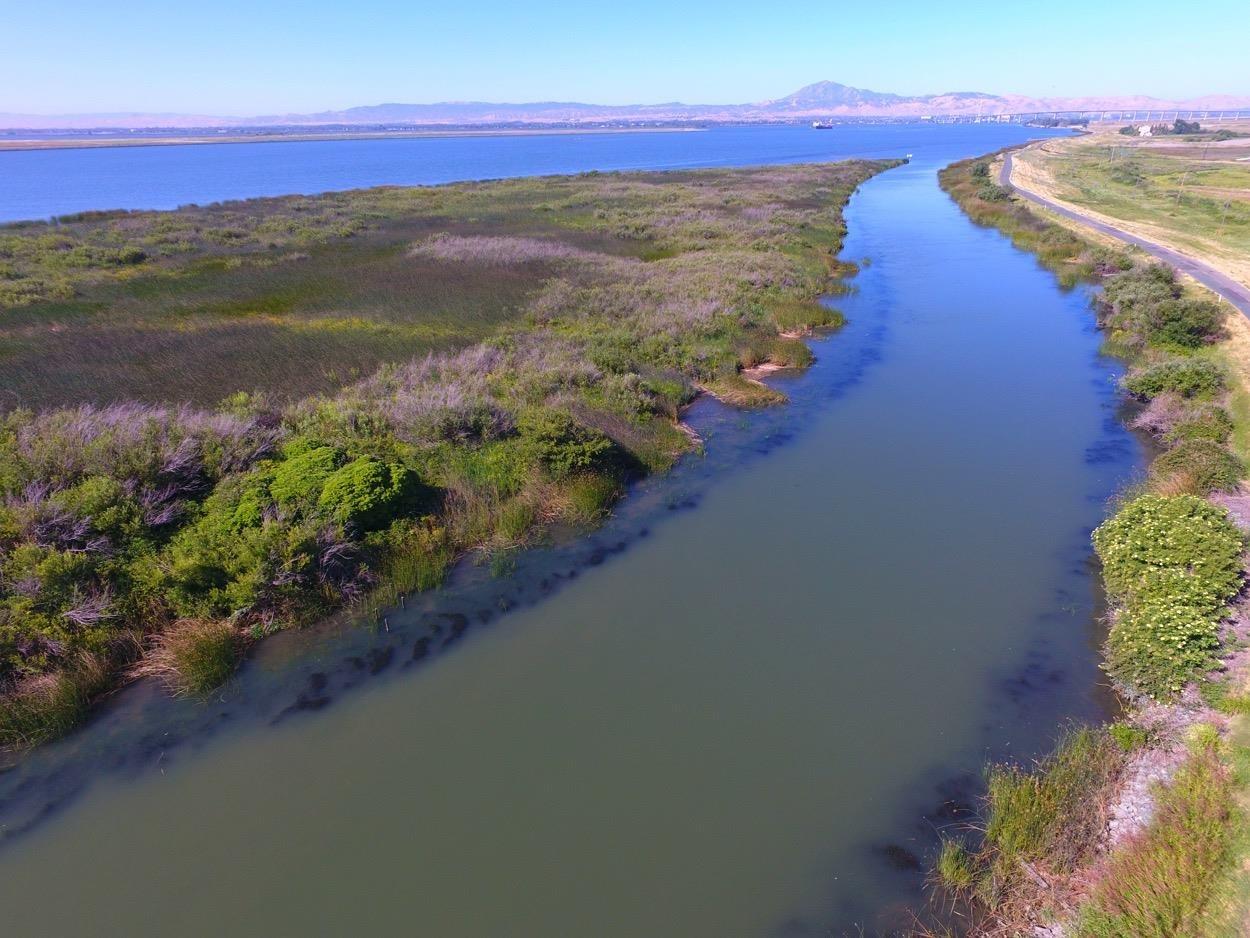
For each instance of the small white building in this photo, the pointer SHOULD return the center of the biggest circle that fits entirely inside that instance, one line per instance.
(1144, 130)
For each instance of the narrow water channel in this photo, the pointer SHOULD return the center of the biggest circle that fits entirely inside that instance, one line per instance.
(774, 676)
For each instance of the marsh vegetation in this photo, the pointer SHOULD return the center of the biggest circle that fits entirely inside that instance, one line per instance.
(298, 295)
(535, 341)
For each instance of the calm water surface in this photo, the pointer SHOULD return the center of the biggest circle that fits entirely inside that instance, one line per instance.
(741, 709)
(39, 184)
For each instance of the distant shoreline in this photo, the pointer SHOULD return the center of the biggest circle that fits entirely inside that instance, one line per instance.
(80, 143)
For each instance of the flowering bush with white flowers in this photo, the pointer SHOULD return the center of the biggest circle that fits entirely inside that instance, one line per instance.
(1156, 646)
(1173, 561)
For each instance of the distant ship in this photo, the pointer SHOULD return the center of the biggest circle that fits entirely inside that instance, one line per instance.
(822, 125)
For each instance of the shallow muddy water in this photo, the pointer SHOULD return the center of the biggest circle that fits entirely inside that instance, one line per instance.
(743, 708)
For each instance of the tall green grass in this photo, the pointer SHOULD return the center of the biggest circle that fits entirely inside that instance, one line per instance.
(1159, 884)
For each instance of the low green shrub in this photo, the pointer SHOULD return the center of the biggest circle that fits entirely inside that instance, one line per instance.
(1197, 466)
(992, 192)
(297, 480)
(367, 493)
(1189, 377)
(1127, 736)
(212, 570)
(499, 468)
(1173, 561)
(1184, 323)
(1207, 422)
(556, 440)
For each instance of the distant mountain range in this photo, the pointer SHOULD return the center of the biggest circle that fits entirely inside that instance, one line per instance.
(822, 99)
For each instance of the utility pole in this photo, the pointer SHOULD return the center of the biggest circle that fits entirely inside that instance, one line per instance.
(1180, 190)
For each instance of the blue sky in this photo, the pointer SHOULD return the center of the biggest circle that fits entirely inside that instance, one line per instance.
(255, 57)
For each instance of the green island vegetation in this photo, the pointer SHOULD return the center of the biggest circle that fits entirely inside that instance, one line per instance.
(238, 418)
(1172, 562)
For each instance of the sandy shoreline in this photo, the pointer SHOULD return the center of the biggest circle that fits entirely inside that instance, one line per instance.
(87, 143)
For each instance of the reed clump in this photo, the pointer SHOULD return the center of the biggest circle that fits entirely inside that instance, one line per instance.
(194, 656)
(1041, 824)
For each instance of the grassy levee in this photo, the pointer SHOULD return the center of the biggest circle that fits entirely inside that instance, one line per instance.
(574, 317)
(1191, 193)
(1055, 845)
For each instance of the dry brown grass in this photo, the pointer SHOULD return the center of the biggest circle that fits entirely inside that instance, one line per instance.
(740, 391)
(1047, 170)
(44, 706)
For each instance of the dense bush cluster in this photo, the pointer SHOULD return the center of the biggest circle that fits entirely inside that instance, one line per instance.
(119, 523)
(1172, 562)
(1187, 377)
(116, 523)
(1161, 331)
(1148, 307)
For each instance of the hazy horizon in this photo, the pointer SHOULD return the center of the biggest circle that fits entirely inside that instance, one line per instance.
(503, 101)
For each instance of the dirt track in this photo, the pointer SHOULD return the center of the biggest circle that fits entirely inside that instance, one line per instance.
(1221, 284)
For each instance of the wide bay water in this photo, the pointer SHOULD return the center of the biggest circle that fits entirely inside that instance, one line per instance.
(743, 708)
(43, 183)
